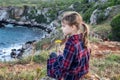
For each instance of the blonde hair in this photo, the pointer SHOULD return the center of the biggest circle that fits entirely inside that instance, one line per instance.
(74, 18)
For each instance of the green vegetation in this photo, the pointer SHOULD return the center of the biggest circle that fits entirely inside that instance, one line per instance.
(94, 40)
(115, 23)
(43, 42)
(113, 58)
(88, 8)
(46, 43)
(24, 69)
(81, 6)
(21, 75)
(40, 19)
(41, 58)
(39, 3)
(106, 67)
(104, 30)
(87, 14)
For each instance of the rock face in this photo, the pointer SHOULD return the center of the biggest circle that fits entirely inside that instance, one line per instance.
(46, 19)
(49, 18)
(104, 14)
(3, 15)
(27, 16)
(115, 10)
(93, 18)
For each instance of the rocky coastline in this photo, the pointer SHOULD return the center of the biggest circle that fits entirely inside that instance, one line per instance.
(47, 20)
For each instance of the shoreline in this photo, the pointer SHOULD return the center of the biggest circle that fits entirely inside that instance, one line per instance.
(27, 46)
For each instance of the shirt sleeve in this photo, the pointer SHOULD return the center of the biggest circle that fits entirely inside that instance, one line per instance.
(57, 66)
(51, 68)
(66, 59)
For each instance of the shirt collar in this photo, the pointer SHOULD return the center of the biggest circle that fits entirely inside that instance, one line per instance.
(76, 37)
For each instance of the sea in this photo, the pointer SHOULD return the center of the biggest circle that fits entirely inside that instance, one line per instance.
(14, 37)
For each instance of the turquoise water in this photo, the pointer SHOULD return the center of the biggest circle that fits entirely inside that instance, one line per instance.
(14, 37)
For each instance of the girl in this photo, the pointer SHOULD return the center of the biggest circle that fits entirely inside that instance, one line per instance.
(74, 63)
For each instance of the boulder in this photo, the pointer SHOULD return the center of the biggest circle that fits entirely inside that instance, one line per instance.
(3, 15)
(94, 17)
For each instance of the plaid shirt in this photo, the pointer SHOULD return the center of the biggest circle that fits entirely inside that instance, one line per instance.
(73, 64)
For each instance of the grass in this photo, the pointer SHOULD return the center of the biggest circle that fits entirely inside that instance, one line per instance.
(49, 41)
(24, 70)
(113, 58)
(22, 75)
(39, 3)
(106, 67)
(102, 28)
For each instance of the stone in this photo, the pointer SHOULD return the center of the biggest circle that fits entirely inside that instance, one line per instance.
(3, 15)
(93, 18)
(107, 11)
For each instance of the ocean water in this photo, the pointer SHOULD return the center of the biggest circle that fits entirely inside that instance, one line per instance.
(13, 37)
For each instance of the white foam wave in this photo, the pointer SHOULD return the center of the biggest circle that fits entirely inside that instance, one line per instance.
(5, 52)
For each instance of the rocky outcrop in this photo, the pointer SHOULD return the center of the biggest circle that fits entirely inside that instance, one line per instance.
(108, 13)
(48, 18)
(93, 18)
(3, 15)
(27, 16)
(115, 10)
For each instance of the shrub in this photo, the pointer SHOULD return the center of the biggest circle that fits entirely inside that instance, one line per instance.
(115, 23)
(41, 19)
(114, 2)
(79, 7)
(41, 58)
(84, 1)
(24, 60)
(38, 59)
(42, 42)
(101, 17)
(52, 13)
(87, 14)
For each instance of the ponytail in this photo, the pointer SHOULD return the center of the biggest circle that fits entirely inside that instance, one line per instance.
(85, 35)
(74, 18)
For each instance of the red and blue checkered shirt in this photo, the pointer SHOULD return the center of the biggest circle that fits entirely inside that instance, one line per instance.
(73, 64)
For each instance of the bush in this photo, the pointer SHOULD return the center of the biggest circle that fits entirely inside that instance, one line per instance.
(87, 14)
(42, 42)
(41, 19)
(101, 17)
(52, 13)
(114, 2)
(79, 7)
(102, 6)
(41, 58)
(84, 1)
(115, 23)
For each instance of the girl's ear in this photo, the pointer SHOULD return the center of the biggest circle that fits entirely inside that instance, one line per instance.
(73, 27)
